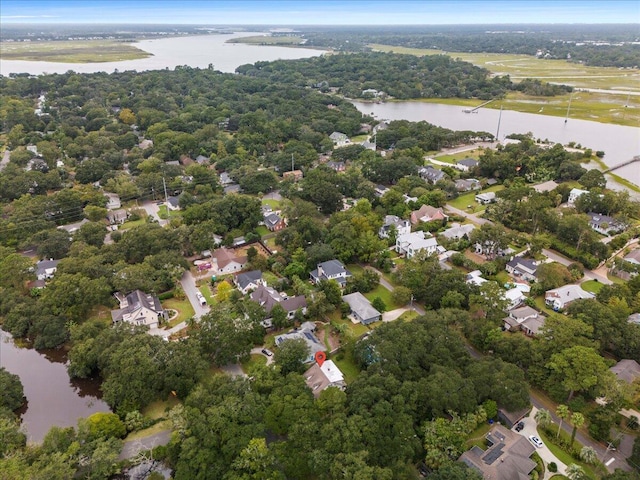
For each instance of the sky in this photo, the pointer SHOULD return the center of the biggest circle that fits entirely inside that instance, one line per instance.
(319, 12)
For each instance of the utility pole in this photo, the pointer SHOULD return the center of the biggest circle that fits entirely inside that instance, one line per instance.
(498, 131)
(166, 197)
(292, 162)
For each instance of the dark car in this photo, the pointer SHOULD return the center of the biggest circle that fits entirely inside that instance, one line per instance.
(268, 353)
(519, 426)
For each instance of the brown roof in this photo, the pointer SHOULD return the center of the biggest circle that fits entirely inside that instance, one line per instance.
(427, 211)
(224, 257)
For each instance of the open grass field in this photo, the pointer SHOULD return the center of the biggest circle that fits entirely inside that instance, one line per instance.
(254, 360)
(610, 104)
(455, 157)
(72, 51)
(592, 286)
(463, 201)
(274, 204)
(267, 40)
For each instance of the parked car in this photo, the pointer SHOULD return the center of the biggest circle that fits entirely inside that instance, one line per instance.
(268, 353)
(201, 299)
(536, 441)
(519, 426)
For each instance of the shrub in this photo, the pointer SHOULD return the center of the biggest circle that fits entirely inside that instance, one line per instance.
(165, 295)
(553, 467)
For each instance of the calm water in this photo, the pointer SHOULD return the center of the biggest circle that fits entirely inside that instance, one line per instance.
(195, 51)
(620, 143)
(53, 399)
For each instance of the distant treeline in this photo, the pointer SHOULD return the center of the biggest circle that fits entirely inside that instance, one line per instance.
(398, 76)
(598, 45)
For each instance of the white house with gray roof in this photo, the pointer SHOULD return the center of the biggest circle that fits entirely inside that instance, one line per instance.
(139, 308)
(560, 298)
(409, 244)
(457, 231)
(306, 334)
(249, 281)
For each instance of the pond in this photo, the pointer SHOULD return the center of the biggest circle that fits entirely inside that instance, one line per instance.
(53, 399)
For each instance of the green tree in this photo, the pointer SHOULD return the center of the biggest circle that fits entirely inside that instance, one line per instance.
(12, 438)
(291, 355)
(455, 471)
(255, 462)
(579, 369)
(577, 420)
(401, 295)
(588, 455)
(224, 336)
(563, 414)
(379, 304)
(543, 417)
(103, 425)
(575, 472)
(12, 392)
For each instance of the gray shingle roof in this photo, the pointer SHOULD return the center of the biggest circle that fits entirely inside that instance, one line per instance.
(245, 279)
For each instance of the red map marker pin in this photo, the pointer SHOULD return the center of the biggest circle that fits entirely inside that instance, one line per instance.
(320, 358)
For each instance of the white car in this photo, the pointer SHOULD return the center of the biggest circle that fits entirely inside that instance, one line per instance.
(536, 441)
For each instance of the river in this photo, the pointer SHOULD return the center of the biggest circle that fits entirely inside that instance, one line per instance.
(195, 51)
(620, 143)
(53, 399)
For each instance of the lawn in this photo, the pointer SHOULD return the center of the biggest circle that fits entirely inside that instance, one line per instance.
(477, 437)
(359, 138)
(470, 199)
(354, 268)
(540, 305)
(347, 366)
(270, 278)
(262, 231)
(357, 329)
(459, 156)
(592, 286)
(184, 308)
(158, 408)
(132, 224)
(274, 204)
(384, 294)
(164, 212)
(152, 430)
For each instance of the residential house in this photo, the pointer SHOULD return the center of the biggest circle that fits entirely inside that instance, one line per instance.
(306, 333)
(467, 184)
(369, 145)
(560, 298)
(268, 298)
(626, 370)
(523, 268)
(457, 231)
(409, 244)
(427, 213)
(361, 308)
(574, 194)
(527, 319)
(202, 159)
(339, 139)
(145, 143)
(173, 203)
(117, 217)
(46, 269)
(605, 224)
(113, 201)
(383, 125)
(486, 198)
(506, 458)
(249, 281)
(330, 270)
(320, 377)
(466, 164)
(514, 297)
(337, 166)
(380, 190)
(226, 261)
(545, 186)
(431, 174)
(634, 318)
(274, 222)
(73, 227)
(475, 278)
(294, 175)
(139, 308)
(633, 257)
(402, 226)
(225, 179)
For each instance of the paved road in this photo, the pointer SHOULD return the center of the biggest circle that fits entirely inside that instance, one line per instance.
(132, 447)
(153, 210)
(188, 283)
(234, 369)
(470, 216)
(258, 351)
(5, 159)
